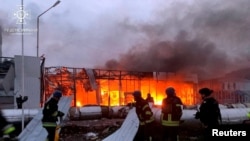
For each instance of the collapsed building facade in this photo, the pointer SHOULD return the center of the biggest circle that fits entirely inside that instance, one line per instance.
(114, 87)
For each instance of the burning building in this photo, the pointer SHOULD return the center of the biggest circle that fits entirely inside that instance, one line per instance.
(113, 87)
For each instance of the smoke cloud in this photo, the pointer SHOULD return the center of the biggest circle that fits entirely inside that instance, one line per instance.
(209, 38)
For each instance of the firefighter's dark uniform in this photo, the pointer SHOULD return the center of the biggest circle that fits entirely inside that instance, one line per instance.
(170, 115)
(209, 112)
(51, 114)
(146, 119)
(5, 127)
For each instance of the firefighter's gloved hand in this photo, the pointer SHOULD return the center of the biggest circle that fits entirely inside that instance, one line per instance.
(60, 114)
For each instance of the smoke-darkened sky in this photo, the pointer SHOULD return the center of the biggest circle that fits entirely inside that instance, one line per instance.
(208, 36)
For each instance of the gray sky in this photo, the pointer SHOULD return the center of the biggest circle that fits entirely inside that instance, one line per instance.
(76, 33)
(95, 33)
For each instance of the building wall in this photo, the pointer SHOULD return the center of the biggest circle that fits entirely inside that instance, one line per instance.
(27, 80)
(229, 90)
(7, 102)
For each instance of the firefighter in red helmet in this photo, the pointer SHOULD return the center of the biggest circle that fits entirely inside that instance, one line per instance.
(146, 118)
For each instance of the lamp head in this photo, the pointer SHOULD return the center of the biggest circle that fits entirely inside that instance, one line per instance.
(57, 2)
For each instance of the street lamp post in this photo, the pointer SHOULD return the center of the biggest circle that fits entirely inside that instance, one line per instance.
(54, 5)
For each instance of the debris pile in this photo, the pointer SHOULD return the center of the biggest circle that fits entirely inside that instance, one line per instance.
(89, 130)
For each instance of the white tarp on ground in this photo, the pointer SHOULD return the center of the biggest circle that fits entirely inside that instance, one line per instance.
(34, 130)
(128, 129)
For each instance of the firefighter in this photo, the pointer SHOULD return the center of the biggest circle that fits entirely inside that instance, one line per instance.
(150, 100)
(51, 114)
(146, 118)
(209, 112)
(171, 115)
(6, 128)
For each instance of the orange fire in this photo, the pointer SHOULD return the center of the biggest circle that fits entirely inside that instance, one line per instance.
(117, 92)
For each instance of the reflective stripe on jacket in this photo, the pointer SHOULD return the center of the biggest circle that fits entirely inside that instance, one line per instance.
(169, 121)
(147, 121)
(144, 112)
(8, 129)
(49, 124)
(248, 115)
(171, 111)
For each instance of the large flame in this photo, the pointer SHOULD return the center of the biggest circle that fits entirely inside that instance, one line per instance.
(117, 92)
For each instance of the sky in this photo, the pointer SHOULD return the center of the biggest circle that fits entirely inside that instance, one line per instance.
(208, 36)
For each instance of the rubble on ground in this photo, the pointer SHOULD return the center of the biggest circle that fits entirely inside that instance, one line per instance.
(89, 130)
